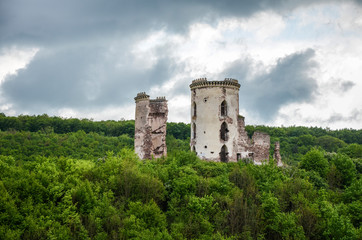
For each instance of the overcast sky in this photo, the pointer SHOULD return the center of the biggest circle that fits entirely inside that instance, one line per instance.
(298, 62)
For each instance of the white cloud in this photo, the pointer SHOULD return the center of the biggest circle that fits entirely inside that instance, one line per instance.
(207, 49)
(337, 38)
(179, 108)
(12, 59)
(262, 26)
(112, 112)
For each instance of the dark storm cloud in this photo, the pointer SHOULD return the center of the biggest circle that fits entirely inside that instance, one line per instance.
(55, 80)
(75, 68)
(53, 22)
(287, 82)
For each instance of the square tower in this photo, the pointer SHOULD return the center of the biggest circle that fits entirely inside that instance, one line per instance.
(150, 126)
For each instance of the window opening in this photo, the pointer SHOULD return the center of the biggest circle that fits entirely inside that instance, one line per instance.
(194, 130)
(193, 149)
(224, 154)
(194, 109)
(224, 108)
(224, 131)
(238, 156)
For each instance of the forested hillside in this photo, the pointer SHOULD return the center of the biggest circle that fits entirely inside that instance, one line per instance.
(80, 179)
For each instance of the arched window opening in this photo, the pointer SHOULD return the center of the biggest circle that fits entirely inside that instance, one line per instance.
(224, 131)
(194, 130)
(194, 112)
(224, 108)
(224, 155)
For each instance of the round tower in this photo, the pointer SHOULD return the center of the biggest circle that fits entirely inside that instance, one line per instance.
(214, 119)
(143, 141)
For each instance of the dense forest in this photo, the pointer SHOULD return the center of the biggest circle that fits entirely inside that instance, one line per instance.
(80, 179)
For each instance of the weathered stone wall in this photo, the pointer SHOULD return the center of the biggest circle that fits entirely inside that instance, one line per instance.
(150, 126)
(261, 146)
(244, 147)
(158, 122)
(277, 156)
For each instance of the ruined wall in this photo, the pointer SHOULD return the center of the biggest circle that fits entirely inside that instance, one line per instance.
(150, 126)
(244, 146)
(158, 121)
(277, 156)
(256, 149)
(261, 146)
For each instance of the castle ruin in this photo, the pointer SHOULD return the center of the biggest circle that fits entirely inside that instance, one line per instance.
(217, 130)
(150, 126)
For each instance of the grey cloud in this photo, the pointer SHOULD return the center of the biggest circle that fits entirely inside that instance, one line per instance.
(347, 85)
(43, 22)
(287, 82)
(356, 115)
(335, 118)
(75, 68)
(55, 80)
(338, 85)
(239, 69)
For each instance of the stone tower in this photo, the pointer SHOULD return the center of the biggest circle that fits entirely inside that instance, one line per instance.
(150, 126)
(217, 130)
(214, 114)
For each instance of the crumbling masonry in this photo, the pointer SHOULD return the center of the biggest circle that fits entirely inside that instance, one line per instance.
(217, 130)
(150, 126)
(277, 156)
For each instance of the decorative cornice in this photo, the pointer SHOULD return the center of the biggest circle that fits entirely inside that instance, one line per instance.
(202, 82)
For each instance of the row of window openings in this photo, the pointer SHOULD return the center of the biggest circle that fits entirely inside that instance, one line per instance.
(223, 109)
(223, 131)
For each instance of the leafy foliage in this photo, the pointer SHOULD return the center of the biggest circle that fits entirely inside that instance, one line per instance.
(86, 184)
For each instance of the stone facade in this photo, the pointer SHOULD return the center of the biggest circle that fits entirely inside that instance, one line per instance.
(217, 130)
(260, 146)
(150, 126)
